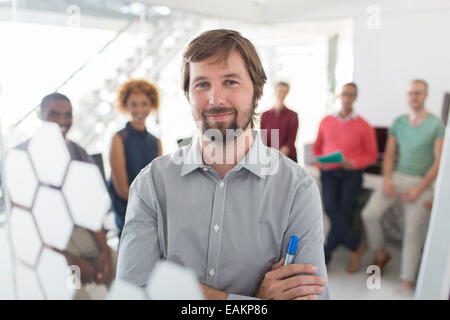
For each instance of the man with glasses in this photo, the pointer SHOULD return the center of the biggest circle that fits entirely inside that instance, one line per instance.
(417, 138)
(350, 134)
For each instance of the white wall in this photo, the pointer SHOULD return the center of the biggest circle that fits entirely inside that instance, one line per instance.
(300, 10)
(407, 46)
(410, 43)
(245, 10)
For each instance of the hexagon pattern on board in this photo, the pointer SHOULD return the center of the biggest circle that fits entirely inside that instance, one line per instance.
(20, 177)
(41, 217)
(88, 202)
(6, 265)
(49, 154)
(67, 193)
(54, 274)
(170, 281)
(27, 283)
(25, 237)
(52, 217)
(122, 290)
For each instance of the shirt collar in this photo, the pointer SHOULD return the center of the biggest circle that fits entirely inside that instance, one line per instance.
(351, 116)
(258, 159)
(192, 159)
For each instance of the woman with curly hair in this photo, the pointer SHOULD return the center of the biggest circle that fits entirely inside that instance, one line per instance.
(133, 147)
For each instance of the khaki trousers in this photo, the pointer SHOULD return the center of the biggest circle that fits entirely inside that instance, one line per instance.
(416, 218)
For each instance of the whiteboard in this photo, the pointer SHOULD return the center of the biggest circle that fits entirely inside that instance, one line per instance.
(434, 273)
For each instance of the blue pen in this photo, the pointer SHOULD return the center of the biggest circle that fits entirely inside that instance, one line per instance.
(291, 250)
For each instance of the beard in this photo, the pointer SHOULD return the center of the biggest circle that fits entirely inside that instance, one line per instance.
(229, 129)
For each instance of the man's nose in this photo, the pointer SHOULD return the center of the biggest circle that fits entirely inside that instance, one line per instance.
(61, 119)
(216, 96)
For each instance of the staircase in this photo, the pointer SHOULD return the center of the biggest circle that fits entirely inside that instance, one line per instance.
(161, 40)
(142, 48)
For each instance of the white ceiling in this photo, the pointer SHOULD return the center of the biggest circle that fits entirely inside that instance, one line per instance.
(276, 11)
(245, 10)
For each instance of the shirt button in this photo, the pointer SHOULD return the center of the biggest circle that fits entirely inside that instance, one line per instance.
(212, 272)
(222, 184)
(205, 169)
(216, 228)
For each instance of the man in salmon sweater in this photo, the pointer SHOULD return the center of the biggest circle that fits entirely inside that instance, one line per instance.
(350, 134)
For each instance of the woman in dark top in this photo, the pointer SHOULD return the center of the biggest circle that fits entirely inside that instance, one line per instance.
(133, 147)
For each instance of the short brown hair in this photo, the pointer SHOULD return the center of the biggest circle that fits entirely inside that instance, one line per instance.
(222, 40)
(137, 86)
(422, 82)
(283, 84)
(352, 84)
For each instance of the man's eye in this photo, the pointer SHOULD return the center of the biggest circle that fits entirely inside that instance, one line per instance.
(201, 85)
(231, 82)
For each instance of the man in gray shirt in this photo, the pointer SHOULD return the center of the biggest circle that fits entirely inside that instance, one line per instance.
(227, 205)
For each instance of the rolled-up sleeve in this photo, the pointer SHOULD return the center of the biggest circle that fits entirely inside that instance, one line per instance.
(306, 222)
(139, 249)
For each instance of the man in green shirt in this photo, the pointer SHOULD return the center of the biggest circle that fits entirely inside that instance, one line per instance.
(410, 166)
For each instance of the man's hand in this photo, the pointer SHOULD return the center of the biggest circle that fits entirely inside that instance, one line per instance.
(283, 283)
(87, 270)
(104, 267)
(389, 188)
(412, 194)
(347, 164)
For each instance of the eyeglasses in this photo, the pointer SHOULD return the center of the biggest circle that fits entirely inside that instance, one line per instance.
(349, 95)
(415, 93)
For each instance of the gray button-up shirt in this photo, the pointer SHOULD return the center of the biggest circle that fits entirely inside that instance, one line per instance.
(228, 231)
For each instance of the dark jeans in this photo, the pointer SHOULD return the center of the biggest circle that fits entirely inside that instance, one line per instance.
(340, 189)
